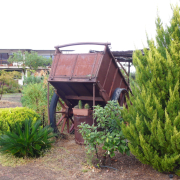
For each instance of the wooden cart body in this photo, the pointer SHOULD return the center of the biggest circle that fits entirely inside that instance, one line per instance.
(91, 77)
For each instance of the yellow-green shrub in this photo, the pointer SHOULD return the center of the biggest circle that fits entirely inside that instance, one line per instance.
(12, 115)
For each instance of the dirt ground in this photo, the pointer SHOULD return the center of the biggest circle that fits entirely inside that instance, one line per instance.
(10, 100)
(68, 160)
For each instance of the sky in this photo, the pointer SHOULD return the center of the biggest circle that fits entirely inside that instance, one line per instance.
(43, 24)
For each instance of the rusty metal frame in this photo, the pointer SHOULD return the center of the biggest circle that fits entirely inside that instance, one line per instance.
(55, 66)
(94, 86)
(127, 84)
(115, 74)
(88, 98)
(48, 105)
(107, 72)
(82, 43)
(88, 92)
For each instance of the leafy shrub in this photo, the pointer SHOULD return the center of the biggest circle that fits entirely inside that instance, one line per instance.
(4, 90)
(26, 140)
(34, 96)
(9, 89)
(32, 79)
(110, 136)
(7, 81)
(9, 116)
(13, 90)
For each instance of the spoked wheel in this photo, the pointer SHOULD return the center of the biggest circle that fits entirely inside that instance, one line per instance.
(60, 115)
(120, 94)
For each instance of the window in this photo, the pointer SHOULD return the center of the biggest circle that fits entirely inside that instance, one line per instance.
(4, 56)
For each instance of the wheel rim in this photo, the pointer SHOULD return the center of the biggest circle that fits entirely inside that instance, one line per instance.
(60, 115)
(120, 95)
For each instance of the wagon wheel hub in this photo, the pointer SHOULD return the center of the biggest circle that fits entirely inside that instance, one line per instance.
(66, 111)
(67, 114)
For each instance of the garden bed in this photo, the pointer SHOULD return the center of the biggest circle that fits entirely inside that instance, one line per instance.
(68, 160)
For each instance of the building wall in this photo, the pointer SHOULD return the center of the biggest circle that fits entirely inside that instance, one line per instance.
(5, 54)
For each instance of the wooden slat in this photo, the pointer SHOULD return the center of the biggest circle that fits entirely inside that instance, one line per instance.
(90, 98)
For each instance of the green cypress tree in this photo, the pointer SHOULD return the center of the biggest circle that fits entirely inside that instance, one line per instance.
(154, 112)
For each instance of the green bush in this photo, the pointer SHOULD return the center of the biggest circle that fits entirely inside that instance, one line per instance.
(8, 82)
(153, 111)
(33, 79)
(26, 140)
(13, 90)
(34, 96)
(110, 138)
(9, 116)
(5, 90)
(8, 89)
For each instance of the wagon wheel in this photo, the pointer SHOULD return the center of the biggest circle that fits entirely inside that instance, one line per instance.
(60, 114)
(120, 95)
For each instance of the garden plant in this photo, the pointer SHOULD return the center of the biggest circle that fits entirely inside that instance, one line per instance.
(10, 116)
(8, 84)
(29, 59)
(34, 96)
(153, 112)
(107, 134)
(27, 139)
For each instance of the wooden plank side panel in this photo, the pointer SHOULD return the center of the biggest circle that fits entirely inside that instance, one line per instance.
(118, 83)
(96, 66)
(110, 77)
(103, 69)
(55, 60)
(86, 64)
(65, 64)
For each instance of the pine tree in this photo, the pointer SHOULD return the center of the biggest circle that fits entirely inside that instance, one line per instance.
(154, 112)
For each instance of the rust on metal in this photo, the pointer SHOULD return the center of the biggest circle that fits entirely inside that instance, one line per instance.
(93, 67)
(73, 67)
(89, 98)
(94, 98)
(90, 77)
(123, 69)
(107, 72)
(113, 82)
(82, 43)
(48, 104)
(77, 121)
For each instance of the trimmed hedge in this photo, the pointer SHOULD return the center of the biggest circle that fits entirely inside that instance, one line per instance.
(12, 115)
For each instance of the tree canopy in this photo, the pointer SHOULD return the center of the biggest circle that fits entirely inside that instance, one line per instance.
(31, 60)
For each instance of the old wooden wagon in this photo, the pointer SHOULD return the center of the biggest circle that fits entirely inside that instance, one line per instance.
(94, 78)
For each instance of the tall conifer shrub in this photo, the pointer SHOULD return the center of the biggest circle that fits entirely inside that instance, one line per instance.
(154, 113)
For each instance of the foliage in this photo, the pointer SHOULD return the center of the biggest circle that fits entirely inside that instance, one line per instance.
(32, 60)
(26, 140)
(154, 118)
(34, 96)
(107, 132)
(7, 82)
(32, 79)
(9, 116)
(9, 89)
(80, 104)
(86, 106)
